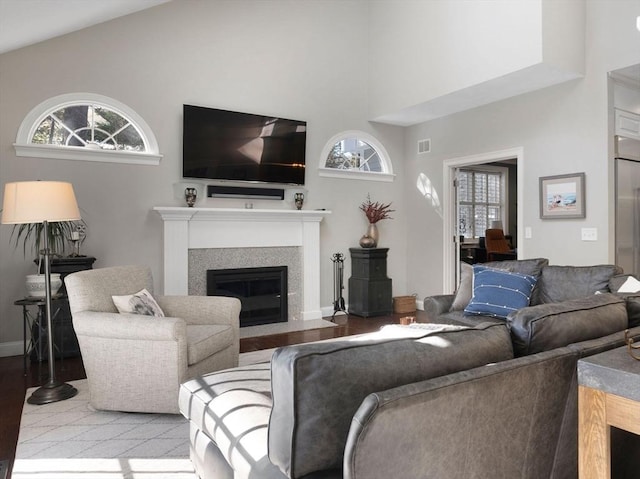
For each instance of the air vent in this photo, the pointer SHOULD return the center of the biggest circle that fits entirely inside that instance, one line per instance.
(424, 146)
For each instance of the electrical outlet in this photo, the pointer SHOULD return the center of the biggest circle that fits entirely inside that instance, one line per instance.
(589, 234)
(527, 232)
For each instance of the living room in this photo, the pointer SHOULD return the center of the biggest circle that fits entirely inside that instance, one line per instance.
(280, 58)
(475, 78)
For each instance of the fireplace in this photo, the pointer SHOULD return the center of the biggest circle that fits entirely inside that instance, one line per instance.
(188, 232)
(262, 292)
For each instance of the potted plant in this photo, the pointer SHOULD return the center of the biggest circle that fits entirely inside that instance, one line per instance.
(31, 236)
(374, 212)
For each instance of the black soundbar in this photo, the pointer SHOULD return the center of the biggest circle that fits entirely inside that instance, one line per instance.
(216, 191)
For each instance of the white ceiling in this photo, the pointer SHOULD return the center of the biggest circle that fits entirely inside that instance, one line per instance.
(25, 22)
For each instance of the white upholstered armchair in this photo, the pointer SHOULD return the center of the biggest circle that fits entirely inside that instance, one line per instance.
(136, 362)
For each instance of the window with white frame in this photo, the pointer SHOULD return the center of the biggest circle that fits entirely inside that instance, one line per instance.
(84, 126)
(355, 154)
(481, 200)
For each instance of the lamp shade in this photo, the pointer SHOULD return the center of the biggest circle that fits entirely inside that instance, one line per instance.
(38, 201)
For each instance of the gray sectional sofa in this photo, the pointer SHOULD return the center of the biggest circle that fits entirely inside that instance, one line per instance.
(477, 398)
(555, 284)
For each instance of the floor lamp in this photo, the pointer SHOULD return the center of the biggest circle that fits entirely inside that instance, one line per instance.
(43, 202)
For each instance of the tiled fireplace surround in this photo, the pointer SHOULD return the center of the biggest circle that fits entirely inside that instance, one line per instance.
(197, 239)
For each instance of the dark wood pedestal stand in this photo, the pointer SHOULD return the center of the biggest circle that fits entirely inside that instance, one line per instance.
(369, 287)
(64, 339)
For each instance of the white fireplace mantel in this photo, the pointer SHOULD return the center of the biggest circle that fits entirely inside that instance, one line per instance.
(189, 228)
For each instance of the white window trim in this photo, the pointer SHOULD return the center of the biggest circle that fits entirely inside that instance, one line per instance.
(387, 175)
(24, 147)
(504, 186)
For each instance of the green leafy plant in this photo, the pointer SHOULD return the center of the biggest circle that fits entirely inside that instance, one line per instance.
(31, 236)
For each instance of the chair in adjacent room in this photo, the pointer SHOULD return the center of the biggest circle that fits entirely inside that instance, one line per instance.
(498, 248)
(136, 362)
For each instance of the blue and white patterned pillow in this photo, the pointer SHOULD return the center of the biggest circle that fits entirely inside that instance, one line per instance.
(498, 292)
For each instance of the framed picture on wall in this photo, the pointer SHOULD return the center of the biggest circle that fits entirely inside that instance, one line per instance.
(562, 196)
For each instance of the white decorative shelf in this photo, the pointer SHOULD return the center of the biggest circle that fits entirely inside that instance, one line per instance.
(239, 214)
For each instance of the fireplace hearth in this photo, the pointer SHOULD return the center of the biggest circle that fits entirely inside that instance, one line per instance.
(262, 292)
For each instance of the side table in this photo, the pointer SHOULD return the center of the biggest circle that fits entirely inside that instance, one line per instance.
(608, 395)
(36, 324)
(64, 341)
(369, 287)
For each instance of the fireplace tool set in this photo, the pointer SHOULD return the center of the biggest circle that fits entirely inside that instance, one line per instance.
(338, 284)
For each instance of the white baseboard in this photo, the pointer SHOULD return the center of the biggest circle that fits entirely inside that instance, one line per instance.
(12, 348)
(327, 311)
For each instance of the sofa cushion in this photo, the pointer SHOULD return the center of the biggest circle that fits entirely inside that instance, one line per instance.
(465, 288)
(498, 293)
(623, 287)
(464, 292)
(616, 281)
(632, 301)
(318, 387)
(501, 421)
(633, 309)
(435, 306)
(547, 326)
(532, 267)
(461, 319)
(561, 283)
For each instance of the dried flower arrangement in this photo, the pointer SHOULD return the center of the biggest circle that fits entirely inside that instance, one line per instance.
(376, 211)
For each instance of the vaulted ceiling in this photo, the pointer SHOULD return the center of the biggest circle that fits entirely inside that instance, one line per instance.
(25, 22)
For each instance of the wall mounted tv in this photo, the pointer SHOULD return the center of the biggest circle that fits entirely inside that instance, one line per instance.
(228, 145)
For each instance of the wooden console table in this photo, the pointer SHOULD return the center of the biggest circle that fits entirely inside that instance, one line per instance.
(608, 395)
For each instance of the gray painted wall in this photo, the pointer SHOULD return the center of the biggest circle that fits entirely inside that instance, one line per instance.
(306, 60)
(563, 129)
(303, 60)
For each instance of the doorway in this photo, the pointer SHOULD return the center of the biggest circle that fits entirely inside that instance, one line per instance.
(627, 218)
(451, 239)
(624, 98)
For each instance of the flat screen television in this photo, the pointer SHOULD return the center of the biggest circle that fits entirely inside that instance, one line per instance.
(234, 146)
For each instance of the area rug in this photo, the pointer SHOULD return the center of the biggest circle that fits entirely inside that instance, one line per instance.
(68, 440)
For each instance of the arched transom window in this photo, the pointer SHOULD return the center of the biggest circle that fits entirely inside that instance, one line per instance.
(87, 127)
(355, 154)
